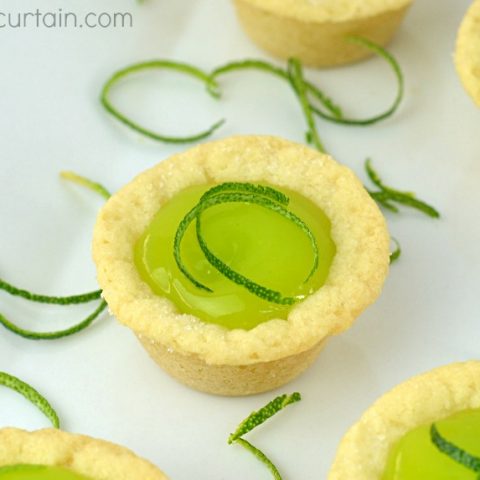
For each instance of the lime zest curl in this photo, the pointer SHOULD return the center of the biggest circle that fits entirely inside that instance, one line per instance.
(387, 196)
(233, 192)
(31, 395)
(263, 414)
(58, 300)
(30, 335)
(48, 299)
(263, 66)
(393, 63)
(261, 456)
(397, 252)
(456, 453)
(297, 80)
(257, 418)
(87, 183)
(187, 69)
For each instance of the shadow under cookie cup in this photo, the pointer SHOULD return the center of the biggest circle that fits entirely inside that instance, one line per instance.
(209, 357)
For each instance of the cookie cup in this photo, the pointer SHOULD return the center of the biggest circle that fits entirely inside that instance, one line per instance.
(315, 31)
(422, 400)
(467, 52)
(209, 357)
(96, 459)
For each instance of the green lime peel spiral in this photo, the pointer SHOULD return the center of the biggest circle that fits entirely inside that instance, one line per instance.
(56, 300)
(232, 192)
(31, 395)
(257, 418)
(456, 453)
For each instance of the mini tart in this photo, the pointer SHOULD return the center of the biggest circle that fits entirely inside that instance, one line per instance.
(212, 358)
(422, 400)
(96, 459)
(467, 54)
(314, 31)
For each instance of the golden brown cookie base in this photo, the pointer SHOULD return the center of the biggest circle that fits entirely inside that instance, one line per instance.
(230, 380)
(316, 44)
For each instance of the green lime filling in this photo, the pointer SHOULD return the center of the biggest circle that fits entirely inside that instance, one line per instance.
(38, 472)
(415, 457)
(255, 241)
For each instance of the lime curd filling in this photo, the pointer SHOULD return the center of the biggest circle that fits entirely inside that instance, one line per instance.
(38, 472)
(254, 241)
(415, 457)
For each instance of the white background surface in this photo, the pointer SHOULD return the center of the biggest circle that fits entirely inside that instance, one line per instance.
(101, 381)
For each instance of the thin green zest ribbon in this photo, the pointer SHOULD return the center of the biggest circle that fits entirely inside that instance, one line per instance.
(52, 300)
(30, 335)
(31, 395)
(257, 418)
(56, 300)
(263, 66)
(456, 453)
(390, 59)
(387, 196)
(190, 70)
(297, 81)
(219, 195)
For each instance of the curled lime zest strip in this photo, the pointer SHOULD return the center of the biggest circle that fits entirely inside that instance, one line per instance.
(295, 73)
(257, 418)
(457, 454)
(260, 416)
(262, 190)
(52, 300)
(262, 65)
(31, 395)
(395, 255)
(387, 195)
(28, 334)
(215, 197)
(261, 456)
(390, 59)
(87, 183)
(212, 88)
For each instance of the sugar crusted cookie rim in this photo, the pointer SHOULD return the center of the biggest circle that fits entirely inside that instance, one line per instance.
(420, 400)
(311, 13)
(466, 46)
(83, 454)
(252, 159)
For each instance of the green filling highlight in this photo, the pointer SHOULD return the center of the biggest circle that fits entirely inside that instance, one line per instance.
(415, 456)
(38, 472)
(252, 240)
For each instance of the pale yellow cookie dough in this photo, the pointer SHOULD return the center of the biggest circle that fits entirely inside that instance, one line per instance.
(314, 31)
(467, 54)
(422, 400)
(87, 456)
(212, 358)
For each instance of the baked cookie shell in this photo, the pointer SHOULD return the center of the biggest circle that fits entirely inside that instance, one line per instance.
(422, 400)
(87, 456)
(354, 282)
(467, 52)
(315, 31)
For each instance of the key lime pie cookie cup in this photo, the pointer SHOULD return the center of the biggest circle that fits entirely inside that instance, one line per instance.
(207, 354)
(467, 53)
(315, 31)
(393, 438)
(56, 455)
